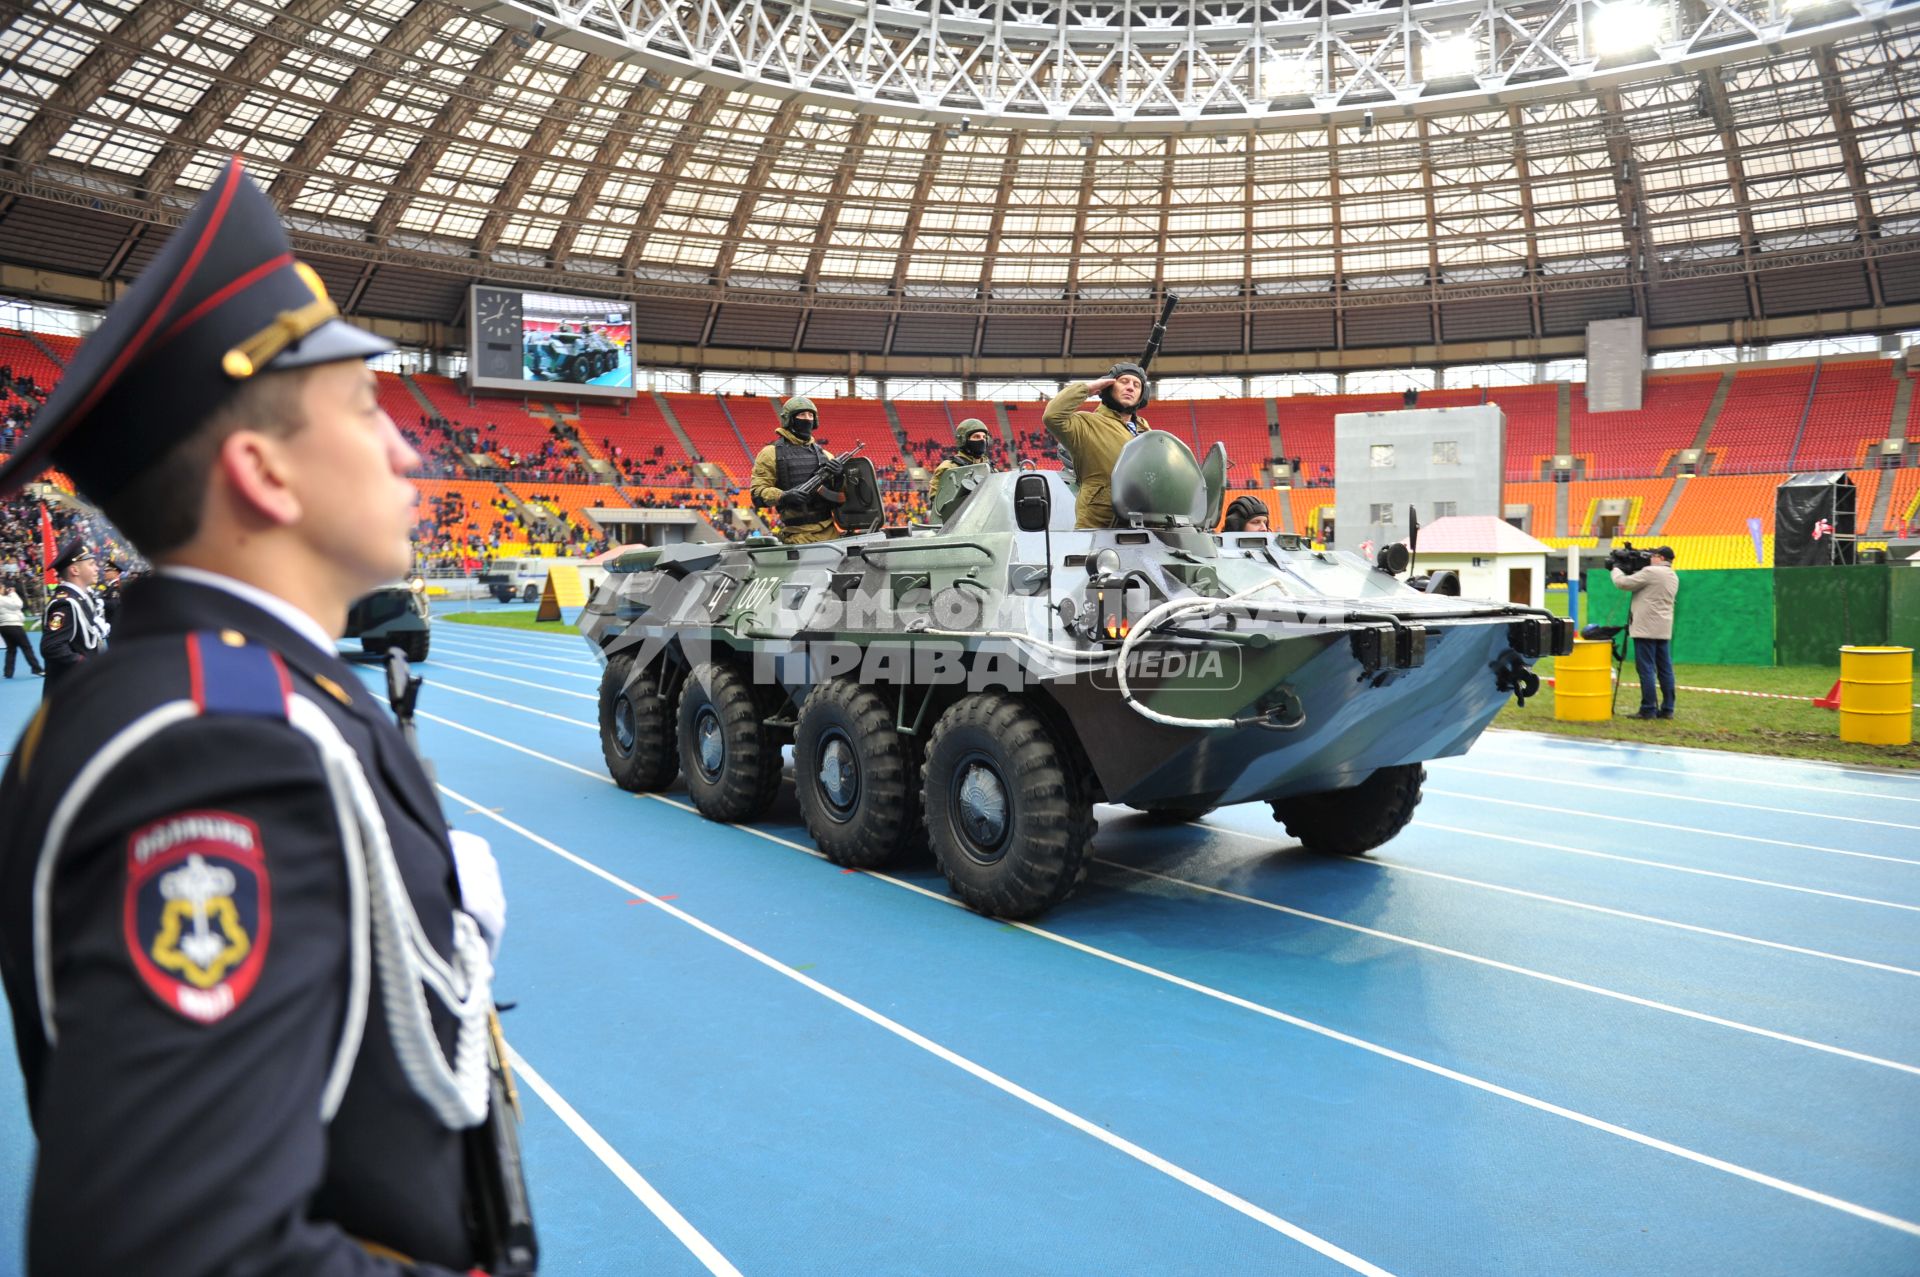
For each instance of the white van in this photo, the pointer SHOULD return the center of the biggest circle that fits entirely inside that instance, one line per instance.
(522, 579)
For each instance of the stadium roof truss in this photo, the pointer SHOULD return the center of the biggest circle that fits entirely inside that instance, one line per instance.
(972, 179)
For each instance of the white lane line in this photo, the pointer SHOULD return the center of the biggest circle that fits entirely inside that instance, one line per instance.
(530, 636)
(1271, 839)
(1502, 747)
(1671, 868)
(1678, 829)
(1514, 969)
(553, 653)
(661, 1209)
(1563, 782)
(1388, 866)
(1000, 1083)
(503, 678)
(522, 665)
(524, 709)
(1761, 1178)
(1553, 742)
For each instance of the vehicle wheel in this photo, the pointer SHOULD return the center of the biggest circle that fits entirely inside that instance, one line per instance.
(1010, 825)
(636, 728)
(414, 645)
(731, 761)
(1170, 814)
(376, 646)
(1352, 822)
(856, 775)
(530, 595)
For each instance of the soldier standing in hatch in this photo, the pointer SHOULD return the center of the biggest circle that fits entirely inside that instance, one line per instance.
(789, 461)
(1093, 439)
(975, 449)
(74, 630)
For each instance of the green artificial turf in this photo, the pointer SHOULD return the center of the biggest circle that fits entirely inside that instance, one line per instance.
(1790, 729)
(519, 619)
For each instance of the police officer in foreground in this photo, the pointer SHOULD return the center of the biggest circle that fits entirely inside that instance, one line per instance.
(1247, 513)
(789, 461)
(1093, 439)
(73, 630)
(973, 447)
(249, 967)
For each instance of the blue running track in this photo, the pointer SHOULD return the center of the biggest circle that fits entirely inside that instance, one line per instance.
(1602, 1009)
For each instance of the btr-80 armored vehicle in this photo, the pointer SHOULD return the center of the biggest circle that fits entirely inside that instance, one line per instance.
(980, 685)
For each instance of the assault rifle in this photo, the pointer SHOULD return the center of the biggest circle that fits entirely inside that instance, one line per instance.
(814, 488)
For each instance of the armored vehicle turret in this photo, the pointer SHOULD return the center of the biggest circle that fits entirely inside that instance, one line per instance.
(979, 686)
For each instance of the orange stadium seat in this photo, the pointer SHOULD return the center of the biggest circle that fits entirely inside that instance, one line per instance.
(1533, 427)
(1852, 411)
(1641, 443)
(1760, 419)
(707, 423)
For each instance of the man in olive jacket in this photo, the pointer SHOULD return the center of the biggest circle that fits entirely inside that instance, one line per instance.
(1094, 439)
(1654, 589)
(787, 462)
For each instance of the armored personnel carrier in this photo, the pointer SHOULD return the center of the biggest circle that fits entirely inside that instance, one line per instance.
(977, 686)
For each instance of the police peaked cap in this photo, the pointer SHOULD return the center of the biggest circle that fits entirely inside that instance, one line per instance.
(222, 302)
(967, 427)
(72, 550)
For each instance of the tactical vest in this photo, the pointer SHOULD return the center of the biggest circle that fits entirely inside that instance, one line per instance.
(793, 465)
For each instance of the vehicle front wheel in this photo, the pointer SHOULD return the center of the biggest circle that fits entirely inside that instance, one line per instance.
(856, 776)
(1009, 822)
(414, 645)
(636, 728)
(731, 760)
(1352, 822)
(530, 595)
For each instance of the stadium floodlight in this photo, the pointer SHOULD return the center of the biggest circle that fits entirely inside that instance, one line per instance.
(1625, 26)
(1451, 57)
(1284, 77)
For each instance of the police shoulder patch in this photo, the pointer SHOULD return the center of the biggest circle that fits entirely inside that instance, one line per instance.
(198, 911)
(57, 620)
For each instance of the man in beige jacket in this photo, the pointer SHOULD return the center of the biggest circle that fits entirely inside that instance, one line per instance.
(1094, 439)
(1654, 589)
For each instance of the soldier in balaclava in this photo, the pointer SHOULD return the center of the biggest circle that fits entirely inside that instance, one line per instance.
(789, 461)
(973, 447)
(1093, 439)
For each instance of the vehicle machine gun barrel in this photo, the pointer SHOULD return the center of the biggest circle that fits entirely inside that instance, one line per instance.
(1159, 333)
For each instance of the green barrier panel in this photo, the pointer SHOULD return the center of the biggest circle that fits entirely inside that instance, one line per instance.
(1820, 610)
(1903, 608)
(1721, 617)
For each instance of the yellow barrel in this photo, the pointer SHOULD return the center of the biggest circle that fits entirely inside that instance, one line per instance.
(1583, 682)
(1876, 695)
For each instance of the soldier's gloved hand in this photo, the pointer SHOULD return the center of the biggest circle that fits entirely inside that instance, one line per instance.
(790, 504)
(480, 892)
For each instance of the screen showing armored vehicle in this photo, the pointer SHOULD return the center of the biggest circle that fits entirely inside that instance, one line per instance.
(579, 344)
(392, 618)
(980, 687)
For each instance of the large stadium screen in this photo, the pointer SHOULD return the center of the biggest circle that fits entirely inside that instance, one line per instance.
(544, 342)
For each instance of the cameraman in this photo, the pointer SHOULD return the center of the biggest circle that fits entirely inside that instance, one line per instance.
(1650, 624)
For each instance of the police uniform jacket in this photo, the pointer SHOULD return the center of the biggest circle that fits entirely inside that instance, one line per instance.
(192, 889)
(73, 631)
(1093, 439)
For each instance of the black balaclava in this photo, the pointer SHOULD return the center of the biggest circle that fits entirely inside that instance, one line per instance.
(976, 446)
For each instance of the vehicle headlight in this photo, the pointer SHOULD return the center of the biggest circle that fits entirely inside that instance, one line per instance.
(418, 585)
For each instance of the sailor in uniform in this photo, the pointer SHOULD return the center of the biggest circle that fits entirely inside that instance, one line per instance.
(249, 966)
(73, 629)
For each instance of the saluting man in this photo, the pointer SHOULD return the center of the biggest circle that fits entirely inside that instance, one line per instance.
(1093, 439)
(74, 629)
(249, 967)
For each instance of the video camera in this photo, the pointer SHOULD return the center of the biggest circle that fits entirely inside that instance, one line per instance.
(1627, 559)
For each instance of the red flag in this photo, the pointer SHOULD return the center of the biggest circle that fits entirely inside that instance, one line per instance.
(47, 547)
